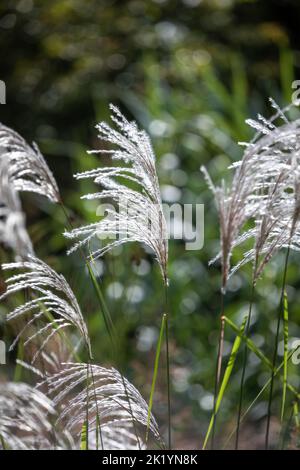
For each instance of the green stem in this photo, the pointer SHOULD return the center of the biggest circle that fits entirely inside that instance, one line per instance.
(218, 369)
(245, 358)
(168, 381)
(276, 371)
(168, 367)
(285, 433)
(155, 372)
(98, 420)
(87, 409)
(276, 348)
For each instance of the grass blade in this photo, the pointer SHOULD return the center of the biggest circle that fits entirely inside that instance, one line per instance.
(83, 438)
(275, 352)
(3, 443)
(261, 355)
(285, 351)
(249, 343)
(156, 364)
(105, 312)
(168, 380)
(296, 415)
(227, 374)
(276, 371)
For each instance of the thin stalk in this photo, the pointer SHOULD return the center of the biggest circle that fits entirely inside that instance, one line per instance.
(2, 441)
(285, 353)
(131, 413)
(218, 368)
(276, 347)
(98, 420)
(87, 409)
(155, 372)
(285, 433)
(296, 415)
(168, 367)
(260, 393)
(115, 357)
(230, 364)
(245, 359)
(168, 383)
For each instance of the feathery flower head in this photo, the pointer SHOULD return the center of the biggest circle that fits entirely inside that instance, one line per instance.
(13, 232)
(54, 301)
(24, 417)
(140, 217)
(28, 170)
(264, 191)
(115, 408)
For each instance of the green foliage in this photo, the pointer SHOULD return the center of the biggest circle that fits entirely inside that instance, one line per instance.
(190, 76)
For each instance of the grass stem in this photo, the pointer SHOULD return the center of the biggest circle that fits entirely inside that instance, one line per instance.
(218, 368)
(245, 358)
(155, 372)
(280, 312)
(168, 365)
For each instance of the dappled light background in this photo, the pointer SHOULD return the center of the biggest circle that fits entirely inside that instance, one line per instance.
(189, 72)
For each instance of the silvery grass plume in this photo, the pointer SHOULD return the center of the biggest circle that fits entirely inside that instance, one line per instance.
(140, 217)
(28, 170)
(114, 407)
(276, 154)
(22, 168)
(54, 303)
(264, 192)
(24, 421)
(13, 233)
(233, 214)
(274, 229)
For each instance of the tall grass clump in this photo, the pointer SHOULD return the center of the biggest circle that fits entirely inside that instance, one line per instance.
(139, 217)
(108, 412)
(264, 195)
(78, 404)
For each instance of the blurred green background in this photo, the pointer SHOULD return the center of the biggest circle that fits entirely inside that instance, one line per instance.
(189, 72)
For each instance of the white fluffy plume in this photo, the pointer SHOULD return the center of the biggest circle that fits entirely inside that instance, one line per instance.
(264, 192)
(52, 308)
(22, 168)
(24, 417)
(28, 170)
(111, 405)
(27, 419)
(140, 217)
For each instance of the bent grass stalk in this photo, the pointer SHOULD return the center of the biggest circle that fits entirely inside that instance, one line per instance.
(3, 443)
(263, 389)
(235, 348)
(98, 421)
(227, 374)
